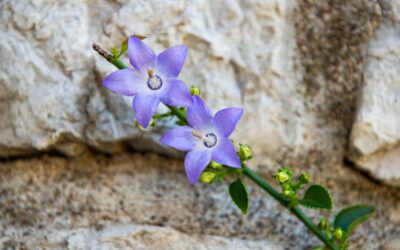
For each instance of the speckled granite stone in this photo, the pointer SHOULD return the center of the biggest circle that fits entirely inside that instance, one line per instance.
(49, 199)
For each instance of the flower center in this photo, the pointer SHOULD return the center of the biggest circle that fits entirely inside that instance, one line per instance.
(154, 82)
(210, 140)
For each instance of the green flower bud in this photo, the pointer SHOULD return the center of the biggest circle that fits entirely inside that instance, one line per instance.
(290, 194)
(286, 170)
(282, 177)
(207, 177)
(304, 178)
(338, 233)
(323, 224)
(194, 90)
(215, 165)
(245, 152)
(286, 186)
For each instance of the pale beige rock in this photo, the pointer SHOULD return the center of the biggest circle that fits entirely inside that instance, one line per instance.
(295, 66)
(57, 202)
(240, 54)
(375, 138)
(156, 238)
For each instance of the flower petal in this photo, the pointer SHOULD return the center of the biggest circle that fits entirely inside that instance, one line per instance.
(170, 61)
(198, 114)
(125, 82)
(177, 94)
(225, 154)
(140, 55)
(180, 138)
(145, 106)
(226, 119)
(195, 162)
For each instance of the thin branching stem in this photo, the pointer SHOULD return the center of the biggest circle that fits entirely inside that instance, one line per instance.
(181, 115)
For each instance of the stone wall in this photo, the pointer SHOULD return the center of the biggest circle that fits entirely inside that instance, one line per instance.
(318, 81)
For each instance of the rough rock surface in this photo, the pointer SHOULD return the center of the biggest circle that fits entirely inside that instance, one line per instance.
(375, 138)
(93, 199)
(130, 236)
(274, 58)
(317, 79)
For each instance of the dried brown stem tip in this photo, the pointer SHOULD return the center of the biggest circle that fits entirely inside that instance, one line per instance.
(101, 51)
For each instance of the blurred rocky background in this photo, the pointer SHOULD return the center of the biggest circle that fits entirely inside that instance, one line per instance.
(319, 81)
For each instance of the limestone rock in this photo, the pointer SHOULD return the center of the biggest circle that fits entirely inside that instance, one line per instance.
(59, 202)
(375, 138)
(254, 54)
(155, 238)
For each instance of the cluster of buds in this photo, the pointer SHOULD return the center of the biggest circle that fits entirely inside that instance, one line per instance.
(245, 153)
(331, 232)
(289, 188)
(216, 171)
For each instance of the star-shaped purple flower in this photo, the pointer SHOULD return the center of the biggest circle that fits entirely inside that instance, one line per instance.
(206, 138)
(153, 79)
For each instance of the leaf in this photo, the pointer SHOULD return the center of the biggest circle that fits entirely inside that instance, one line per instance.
(316, 197)
(124, 47)
(239, 195)
(350, 217)
(115, 52)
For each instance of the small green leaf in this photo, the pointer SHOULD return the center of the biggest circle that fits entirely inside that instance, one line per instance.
(316, 197)
(115, 52)
(239, 195)
(350, 217)
(124, 44)
(124, 47)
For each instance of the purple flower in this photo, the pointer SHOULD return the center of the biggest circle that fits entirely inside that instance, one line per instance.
(206, 138)
(153, 79)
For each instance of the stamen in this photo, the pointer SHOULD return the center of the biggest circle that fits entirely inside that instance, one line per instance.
(197, 134)
(150, 72)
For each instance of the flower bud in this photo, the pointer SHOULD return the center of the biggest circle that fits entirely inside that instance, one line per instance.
(245, 152)
(290, 194)
(282, 177)
(338, 233)
(194, 90)
(323, 224)
(304, 178)
(215, 165)
(207, 177)
(286, 170)
(286, 186)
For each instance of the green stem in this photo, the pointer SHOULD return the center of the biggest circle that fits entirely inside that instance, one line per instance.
(179, 113)
(295, 210)
(249, 173)
(118, 63)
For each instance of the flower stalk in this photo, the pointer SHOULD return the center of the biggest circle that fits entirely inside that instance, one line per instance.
(249, 173)
(295, 210)
(198, 116)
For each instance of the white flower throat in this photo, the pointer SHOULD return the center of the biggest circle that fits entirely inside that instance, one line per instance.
(154, 82)
(209, 140)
